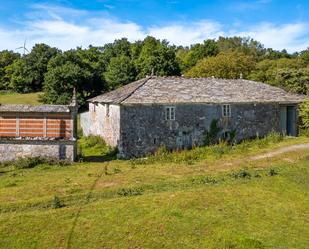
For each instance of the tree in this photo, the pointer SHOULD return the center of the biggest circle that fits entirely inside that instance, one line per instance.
(158, 57)
(120, 71)
(80, 69)
(244, 45)
(189, 58)
(291, 74)
(294, 80)
(228, 65)
(7, 58)
(28, 72)
(305, 55)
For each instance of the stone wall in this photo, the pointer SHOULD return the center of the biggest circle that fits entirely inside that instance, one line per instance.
(60, 149)
(85, 123)
(144, 127)
(102, 120)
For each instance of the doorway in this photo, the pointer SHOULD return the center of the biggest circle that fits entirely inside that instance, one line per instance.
(288, 120)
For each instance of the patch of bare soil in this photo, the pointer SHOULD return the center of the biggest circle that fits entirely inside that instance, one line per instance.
(273, 153)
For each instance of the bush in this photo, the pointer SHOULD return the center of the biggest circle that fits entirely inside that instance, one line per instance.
(272, 172)
(304, 132)
(28, 162)
(130, 191)
(211, 136)
(91, 141)
(241, 174)
(304, 114)
(95, 146)
(31, 162)
(56, 203)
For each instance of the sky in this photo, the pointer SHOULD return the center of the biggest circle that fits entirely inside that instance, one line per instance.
(68, 24)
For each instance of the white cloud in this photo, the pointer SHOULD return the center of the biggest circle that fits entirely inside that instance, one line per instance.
(186, 34)
(68, 28)
(290, 36)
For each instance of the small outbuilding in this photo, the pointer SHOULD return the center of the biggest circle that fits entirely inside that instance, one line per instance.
(176, 112)
(38, 131)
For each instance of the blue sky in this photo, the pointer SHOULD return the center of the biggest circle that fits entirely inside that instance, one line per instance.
(67, 24)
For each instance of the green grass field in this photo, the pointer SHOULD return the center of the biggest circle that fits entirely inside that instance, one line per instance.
(18, 98)
(215, 197)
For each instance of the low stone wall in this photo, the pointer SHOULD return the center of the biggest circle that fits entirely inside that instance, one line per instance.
(59, 149)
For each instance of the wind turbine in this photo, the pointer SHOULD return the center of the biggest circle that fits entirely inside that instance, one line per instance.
(24, 47)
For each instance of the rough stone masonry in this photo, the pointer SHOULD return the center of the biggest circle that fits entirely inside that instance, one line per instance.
(175, 112)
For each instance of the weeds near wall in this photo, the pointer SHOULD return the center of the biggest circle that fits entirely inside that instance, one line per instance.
(31, 162)
(211, 136)
(216, 151)
(94, 148)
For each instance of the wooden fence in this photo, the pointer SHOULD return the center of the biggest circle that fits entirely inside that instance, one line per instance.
(48, 125)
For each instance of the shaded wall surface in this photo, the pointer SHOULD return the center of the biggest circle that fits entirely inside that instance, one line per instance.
(144, 128)
(12, 149)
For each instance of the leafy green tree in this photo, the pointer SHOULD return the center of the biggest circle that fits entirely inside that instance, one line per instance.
(189, 58)
(228, 65)
(244, 45)
(117, 48)
(305, 55)
(80, 69)
(60, 82)
(7, 58)
(120, 71)
(291, 74)
(294, 80)
(274, 54)
(158, 57)
(28, 72)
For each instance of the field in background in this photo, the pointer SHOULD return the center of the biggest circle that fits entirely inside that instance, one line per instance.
(211, 197)
(18, 98)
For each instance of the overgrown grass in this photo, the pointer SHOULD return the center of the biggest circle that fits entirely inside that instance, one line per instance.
(18, 98)
(225, 201)
(211, 152)
(94, 148)
(31, 162)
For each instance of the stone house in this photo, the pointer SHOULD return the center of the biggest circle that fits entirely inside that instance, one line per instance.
(38, 131)
(176, 111)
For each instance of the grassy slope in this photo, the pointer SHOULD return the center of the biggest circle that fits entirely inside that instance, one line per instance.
(17, 98)
(179, 204)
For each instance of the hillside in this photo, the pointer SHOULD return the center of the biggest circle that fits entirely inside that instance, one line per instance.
(18, 98)
(212, 197)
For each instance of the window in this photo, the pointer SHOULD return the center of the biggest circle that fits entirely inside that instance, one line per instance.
(170, 113)
(226, 111)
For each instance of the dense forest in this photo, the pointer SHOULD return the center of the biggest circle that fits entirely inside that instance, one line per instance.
(98, 69)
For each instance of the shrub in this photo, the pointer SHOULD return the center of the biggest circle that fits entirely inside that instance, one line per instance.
(130, 191)
(56, 202)
(211, 136)
(31, 162)
(241, 174)
(272, 172)
(28, 162)
(204, 180)
(91, 141)
(304, 114)
(95, 146)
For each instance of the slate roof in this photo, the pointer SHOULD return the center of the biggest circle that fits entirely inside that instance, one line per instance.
(165, 90)
(33, 108)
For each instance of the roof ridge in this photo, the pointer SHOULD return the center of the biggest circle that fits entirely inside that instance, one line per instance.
(131, 93)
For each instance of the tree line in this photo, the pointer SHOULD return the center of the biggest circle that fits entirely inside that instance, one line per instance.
(99, 69)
